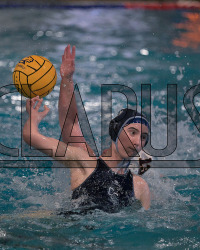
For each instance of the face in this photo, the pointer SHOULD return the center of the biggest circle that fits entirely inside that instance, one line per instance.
(131, 140)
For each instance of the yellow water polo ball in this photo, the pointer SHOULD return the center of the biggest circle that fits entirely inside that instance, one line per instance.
(34, 76)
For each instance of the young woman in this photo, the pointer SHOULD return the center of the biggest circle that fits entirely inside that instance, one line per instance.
(105, 182)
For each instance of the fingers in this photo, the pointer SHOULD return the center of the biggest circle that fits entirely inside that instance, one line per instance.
(68, 54)
(28, 104)
(34, 100)
(73, 52)
(46, 110)
(67, 51)
(32, 107)
(39, 102)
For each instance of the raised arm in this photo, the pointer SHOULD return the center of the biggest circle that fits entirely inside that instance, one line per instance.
(66, 98)
(47, 145)
(67, 89)
(67, 102)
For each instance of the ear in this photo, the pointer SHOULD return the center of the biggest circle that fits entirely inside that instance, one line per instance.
(112, 130)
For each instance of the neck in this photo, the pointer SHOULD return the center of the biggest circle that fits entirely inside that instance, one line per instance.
(114, 160)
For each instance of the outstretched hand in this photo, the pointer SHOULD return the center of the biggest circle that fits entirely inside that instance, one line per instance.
(68, 62)
(32, 108)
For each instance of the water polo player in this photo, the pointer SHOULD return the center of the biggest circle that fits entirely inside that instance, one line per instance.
(105, 183)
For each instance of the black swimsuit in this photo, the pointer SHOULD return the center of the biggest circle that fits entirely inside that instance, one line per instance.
(104, 189)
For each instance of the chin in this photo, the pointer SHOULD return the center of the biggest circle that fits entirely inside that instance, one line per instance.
(131, 154)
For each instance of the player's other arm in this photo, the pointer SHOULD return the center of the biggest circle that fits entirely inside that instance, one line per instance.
(47, 145)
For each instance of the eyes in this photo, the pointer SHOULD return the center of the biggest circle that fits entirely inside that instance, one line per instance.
(143, 136)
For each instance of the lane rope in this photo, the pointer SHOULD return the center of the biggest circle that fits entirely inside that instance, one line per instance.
(125, 5)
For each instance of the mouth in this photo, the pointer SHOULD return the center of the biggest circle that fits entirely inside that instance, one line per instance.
(132, 152)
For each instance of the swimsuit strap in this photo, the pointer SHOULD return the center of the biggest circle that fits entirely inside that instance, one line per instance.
(123, 165)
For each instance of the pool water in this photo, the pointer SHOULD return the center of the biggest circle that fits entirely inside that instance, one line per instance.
(127, 47)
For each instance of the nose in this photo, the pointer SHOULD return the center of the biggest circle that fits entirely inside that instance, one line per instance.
(137, 142)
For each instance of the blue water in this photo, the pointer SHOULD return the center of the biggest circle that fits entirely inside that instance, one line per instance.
(128, 47)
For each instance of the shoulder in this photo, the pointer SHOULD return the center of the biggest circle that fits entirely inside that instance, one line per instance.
(81, 166)
(139, 181)
(141, 190)
(79, 157)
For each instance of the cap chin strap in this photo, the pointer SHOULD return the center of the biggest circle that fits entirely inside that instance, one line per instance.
(124, 164)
